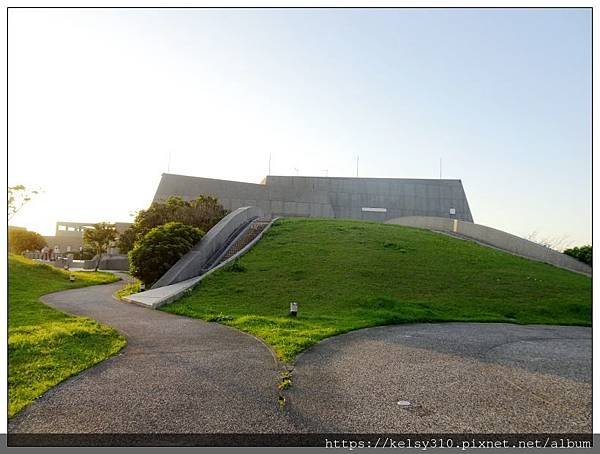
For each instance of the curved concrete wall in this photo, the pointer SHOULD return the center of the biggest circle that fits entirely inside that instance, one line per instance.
(109, 262)
(198, 260)
(495, 238)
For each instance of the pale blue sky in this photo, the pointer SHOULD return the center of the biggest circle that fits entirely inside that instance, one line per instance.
(502, 96)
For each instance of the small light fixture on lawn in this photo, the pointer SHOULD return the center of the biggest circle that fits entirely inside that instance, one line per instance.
(72, 277)
(142, 287)
(293, 309)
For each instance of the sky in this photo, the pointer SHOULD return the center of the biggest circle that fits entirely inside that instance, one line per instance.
(101, 102)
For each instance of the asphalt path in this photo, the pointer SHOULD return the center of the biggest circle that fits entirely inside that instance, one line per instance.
(181, 375)
(176, 375)
(452, 377)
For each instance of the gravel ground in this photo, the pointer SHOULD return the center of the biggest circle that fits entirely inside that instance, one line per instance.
(456, 377)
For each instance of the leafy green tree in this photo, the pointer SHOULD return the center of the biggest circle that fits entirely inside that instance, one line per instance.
(582, 253)
(160, 249)
(203, 212)
(20, 241)
(126, 240)
(99, 238)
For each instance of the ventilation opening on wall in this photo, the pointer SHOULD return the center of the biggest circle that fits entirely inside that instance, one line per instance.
(374, 210)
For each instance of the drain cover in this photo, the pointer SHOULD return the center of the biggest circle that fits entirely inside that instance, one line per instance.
(404, 403)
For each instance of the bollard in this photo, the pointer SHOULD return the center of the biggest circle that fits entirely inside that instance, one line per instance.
(293, 309)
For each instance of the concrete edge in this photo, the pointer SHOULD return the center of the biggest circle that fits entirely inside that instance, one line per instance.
(454, 228)
(245, 248)
(191, 283)
(237, 237)
(484, 244)
(202, 254)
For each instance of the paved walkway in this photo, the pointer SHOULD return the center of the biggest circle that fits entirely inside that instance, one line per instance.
(456, 377)
(180, 375)
(175, 375)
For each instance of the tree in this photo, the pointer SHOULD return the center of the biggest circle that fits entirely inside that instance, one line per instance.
(18, 196)
(23, 240)
(99, 238)
(126, 240)
(160, 249)
(203, 212)
(582, 253)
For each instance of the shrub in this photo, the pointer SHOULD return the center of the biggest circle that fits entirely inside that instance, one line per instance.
(160, 248)
(202, 212)
(20, 241)
(126, 240)
(583, 254)
(236, 267)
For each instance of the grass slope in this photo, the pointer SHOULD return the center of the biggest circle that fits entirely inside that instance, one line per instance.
(350, 274)
(46, 346)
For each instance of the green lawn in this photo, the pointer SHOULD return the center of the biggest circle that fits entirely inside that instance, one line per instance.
(46, 346)
(350, 274)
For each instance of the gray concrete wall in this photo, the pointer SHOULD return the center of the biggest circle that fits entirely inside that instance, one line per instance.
(195, 262)
(118, 262)
(496, 238)
(64, 242)
(373, 199)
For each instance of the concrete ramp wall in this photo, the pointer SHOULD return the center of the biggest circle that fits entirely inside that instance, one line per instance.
(117, 262)
(200, 258)
(495, 238)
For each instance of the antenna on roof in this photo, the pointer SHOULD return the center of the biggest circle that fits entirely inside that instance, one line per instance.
(357, 166)
(440, 168)
(269, 164)
(169, 163)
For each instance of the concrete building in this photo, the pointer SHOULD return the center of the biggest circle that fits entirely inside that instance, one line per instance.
(68, 236)
(374, 199)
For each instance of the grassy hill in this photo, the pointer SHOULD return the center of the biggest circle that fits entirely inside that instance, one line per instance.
(350, 274)
(46, 346)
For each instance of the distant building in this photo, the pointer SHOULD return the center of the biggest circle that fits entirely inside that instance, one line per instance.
(373, 199)
(69, 235)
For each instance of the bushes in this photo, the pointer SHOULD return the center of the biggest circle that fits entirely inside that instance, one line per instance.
(203, 212)
(20, 241)
(160, 248)
(126, 240)
(163, 233)
(583, 254)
